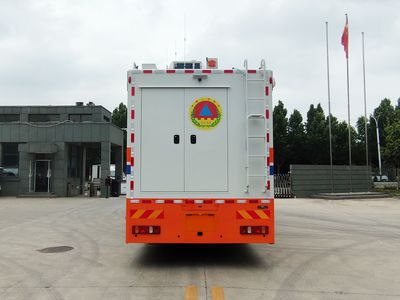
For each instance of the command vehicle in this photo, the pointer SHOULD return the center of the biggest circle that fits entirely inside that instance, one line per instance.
(200, 158)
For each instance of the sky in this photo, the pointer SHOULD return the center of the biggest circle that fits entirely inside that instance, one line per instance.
(64, 51)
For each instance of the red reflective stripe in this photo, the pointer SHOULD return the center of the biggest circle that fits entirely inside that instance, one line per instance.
(132, 185)
(271, 154)
(251, 71)
(206, 71)
(128, 151)
(268, 185)
(169, 201)
(132, 114)
(147, 71)
(132, 137)
(132, 161)
(146, 201)
(147, 213)
(129, 79)
(238, 216)
(161, 216)
(228, 71)
(253, 214)
(171, 71)
(253, 201)
(207, 201)
(189, 201)
(229, 201)
(271, 80)
(266, 91)
(268, 161)
(133, 91)
(267, 137)
(189, 71)
(267, 113)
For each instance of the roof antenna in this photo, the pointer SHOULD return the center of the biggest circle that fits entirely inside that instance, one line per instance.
(184, 37)
(175, 51)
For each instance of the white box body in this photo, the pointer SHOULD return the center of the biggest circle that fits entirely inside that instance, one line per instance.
(196, 134)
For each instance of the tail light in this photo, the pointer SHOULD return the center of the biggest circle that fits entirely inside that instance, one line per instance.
(146, 229)
(253, 229)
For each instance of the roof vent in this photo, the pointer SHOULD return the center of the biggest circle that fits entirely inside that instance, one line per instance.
(79, 103)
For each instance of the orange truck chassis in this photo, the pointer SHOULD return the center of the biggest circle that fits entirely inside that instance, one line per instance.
(194, 221)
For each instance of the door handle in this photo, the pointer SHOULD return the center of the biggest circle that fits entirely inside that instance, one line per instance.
(176, 139)
(193, 139)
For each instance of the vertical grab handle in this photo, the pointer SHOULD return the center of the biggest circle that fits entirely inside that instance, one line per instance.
(193, 139)
(176, 139)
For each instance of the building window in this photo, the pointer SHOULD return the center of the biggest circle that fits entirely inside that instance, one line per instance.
(4, 118)
(80, 117)
(74, 167)
(44, 118)
(9, 159)
(107, 119)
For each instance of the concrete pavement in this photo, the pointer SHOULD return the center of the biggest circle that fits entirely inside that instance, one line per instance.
(324, 250)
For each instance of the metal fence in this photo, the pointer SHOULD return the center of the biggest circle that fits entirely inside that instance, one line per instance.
(283, 186)
(309, 180)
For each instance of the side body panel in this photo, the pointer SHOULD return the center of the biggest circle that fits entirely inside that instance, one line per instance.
(206, 150)
(162, 167)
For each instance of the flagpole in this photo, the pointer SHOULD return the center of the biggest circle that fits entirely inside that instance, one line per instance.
(348, 115)
(365, 108)
(329, 106)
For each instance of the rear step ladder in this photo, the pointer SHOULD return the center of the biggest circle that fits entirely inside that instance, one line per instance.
(260, 116)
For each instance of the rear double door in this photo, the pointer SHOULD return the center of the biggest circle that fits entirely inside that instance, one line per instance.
(177, 155)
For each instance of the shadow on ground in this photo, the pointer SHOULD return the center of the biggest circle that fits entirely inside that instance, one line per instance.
(199, 255)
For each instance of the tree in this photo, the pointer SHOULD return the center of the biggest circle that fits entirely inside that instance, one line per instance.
(317, 136)
(359, 141)
(392, 148)
(385, 113)
(340, 141)
(280, 137)
(296, 139)
(119, 116)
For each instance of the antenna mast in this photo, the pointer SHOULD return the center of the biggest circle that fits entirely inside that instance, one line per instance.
(184, 36)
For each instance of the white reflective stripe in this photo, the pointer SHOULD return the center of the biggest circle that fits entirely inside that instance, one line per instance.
(178, 201)
(198, 201)
(220, 201)
(135, 201)
(241, 201)
(160, 201)
(265, 201)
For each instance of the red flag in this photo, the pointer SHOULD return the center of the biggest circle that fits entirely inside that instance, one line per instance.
(345, 38)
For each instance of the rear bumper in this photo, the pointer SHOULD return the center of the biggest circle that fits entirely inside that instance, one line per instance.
(205, 223)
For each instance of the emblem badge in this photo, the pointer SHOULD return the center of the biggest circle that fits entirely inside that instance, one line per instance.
(205, 113)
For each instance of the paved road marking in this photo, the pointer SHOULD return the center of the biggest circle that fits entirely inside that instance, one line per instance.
(217, 293)
(191, 293)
